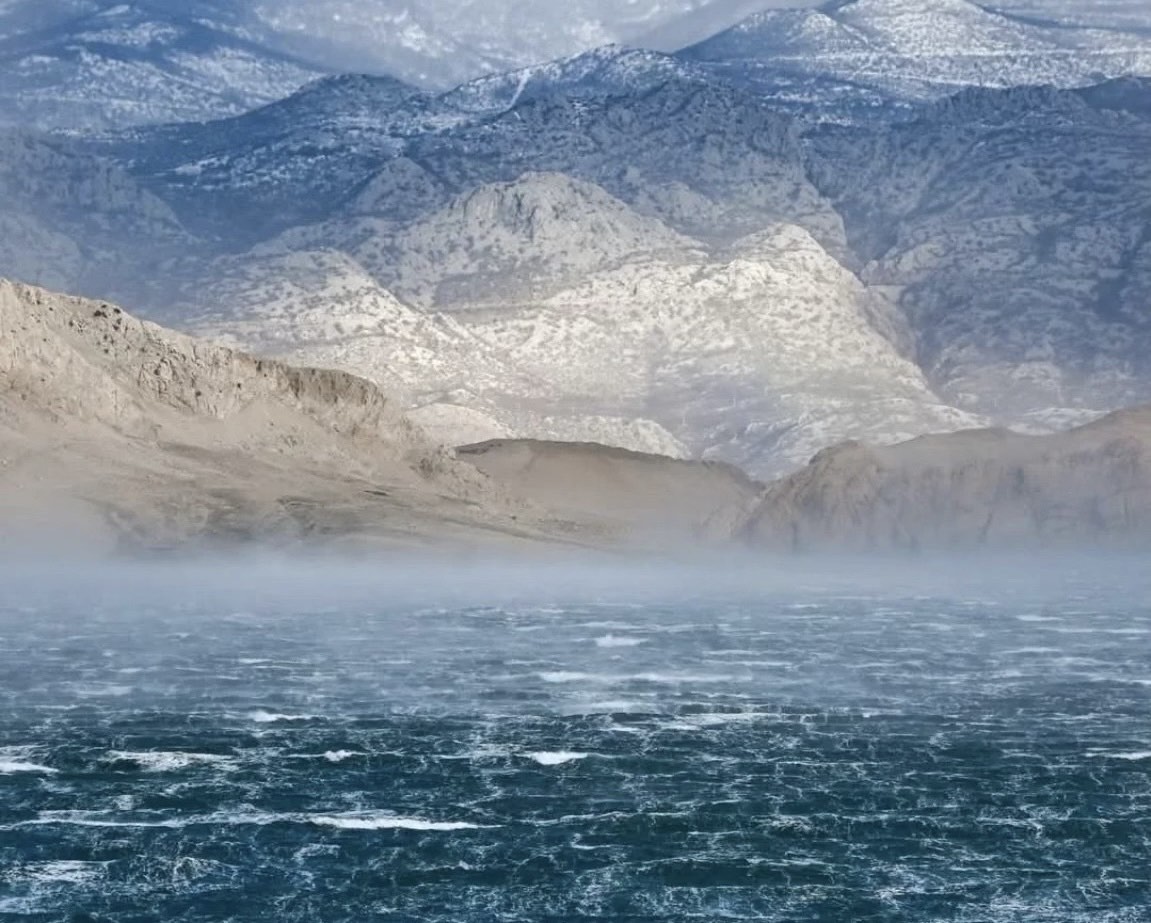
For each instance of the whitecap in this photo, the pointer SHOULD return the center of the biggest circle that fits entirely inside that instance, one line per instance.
(19, 759)
(62, 872)
(339, 756)
(671, 679)
(11, 767)
(611, 641)
(563, 676)
(260, 716)
(608, 707)
(94, 819)
(163, 761)
(557, 758)
(359, 821)
(716, 719)
(388, 822)
(1131, 757)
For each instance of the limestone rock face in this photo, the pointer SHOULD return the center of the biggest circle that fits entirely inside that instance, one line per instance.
(1090, 488)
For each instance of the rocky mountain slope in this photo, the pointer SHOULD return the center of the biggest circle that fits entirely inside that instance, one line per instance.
(131, 436)
(117, 435)
(655, 351)
(1013, 228)
(112, 65)
(78, 65)
(1088, 488)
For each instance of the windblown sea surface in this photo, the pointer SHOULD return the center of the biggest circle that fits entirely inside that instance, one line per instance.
(264, 743)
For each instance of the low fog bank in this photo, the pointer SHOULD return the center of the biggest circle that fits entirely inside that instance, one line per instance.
(320, 584)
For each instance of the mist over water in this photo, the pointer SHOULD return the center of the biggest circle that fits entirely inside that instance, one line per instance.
(794, 740)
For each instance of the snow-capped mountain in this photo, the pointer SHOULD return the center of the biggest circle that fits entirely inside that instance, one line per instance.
(920, 49)
(120, 64)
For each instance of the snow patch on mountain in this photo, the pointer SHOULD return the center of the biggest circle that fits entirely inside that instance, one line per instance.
(918, 49)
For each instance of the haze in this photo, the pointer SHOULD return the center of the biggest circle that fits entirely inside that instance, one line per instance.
(440, 43)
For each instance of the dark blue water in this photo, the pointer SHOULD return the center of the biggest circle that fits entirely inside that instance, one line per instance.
(793, 754)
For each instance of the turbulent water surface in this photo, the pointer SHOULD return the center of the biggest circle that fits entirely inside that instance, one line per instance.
(794, 753)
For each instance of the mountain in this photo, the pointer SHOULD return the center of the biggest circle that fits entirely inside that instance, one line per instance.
(241, 178)
(116, 65)
(514, 241)
(914, 50)
(1123, 15)
(610, 70)
(352, 142)
(674, 341)
(77, 222)
(671, 265)
(1087, 488)
(1013, 230)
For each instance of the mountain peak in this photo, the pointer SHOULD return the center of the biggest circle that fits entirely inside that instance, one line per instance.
(610, 70)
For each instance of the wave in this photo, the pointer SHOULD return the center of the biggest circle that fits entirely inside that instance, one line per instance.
(261, 716)
(558, 677)
(11, 767)
(557, 758)
(563, 676)
(355, 821)
(61, 872)
(613, 641)
(387, 822)
(19, 760)
(164, 761)
(339, 756)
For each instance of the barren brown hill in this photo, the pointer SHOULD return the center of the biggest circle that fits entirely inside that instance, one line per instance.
(1087, 488)
(655, 499)
(115, 433)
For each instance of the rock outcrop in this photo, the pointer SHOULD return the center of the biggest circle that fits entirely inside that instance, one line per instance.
(1087, 488)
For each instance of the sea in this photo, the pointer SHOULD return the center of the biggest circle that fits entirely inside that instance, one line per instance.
(844, 742)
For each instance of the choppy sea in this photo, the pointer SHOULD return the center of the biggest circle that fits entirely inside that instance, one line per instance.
(240, 749)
